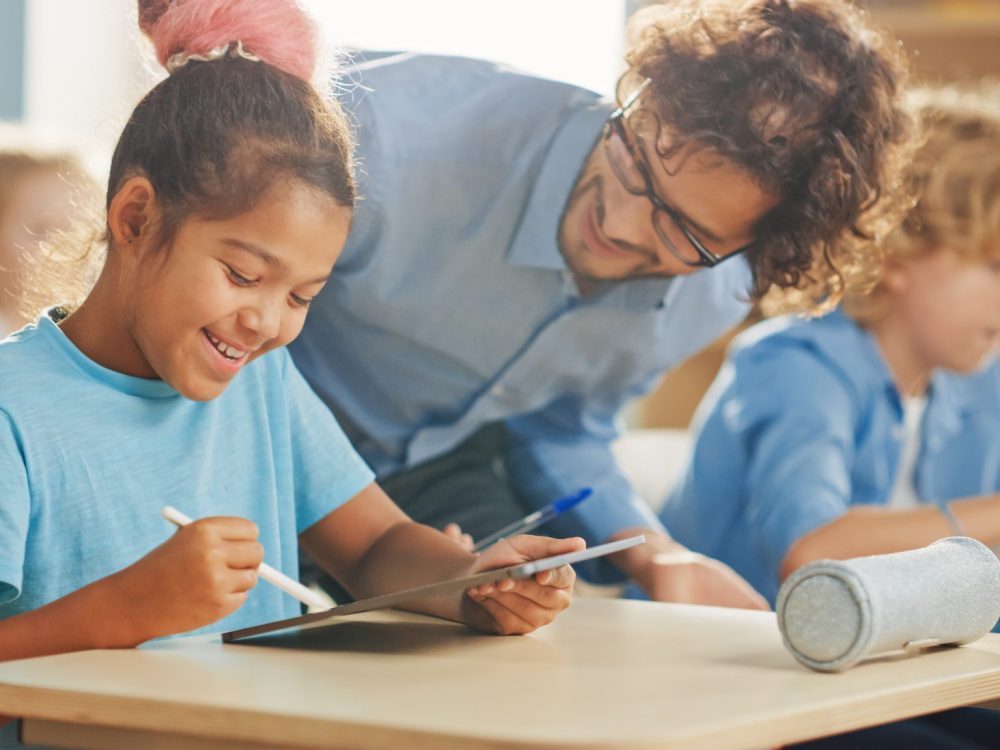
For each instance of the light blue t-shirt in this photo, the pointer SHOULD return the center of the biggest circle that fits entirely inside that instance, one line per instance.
(89, 456)
(456, 309)
(803, 422)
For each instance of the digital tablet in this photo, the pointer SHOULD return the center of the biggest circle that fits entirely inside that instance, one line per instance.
(521, 570)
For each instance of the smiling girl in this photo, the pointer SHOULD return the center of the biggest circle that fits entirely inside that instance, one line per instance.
(229, 199)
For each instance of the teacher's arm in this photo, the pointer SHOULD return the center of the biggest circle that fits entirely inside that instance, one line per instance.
(554, 451)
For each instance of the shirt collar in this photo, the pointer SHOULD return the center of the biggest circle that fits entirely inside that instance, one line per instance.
(952, 398)
(847, 346)
(536, 241)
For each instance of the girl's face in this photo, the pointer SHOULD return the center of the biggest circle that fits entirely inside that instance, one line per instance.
(950, 308)
(228, 291)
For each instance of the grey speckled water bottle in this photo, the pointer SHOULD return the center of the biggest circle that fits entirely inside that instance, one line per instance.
(834, 613)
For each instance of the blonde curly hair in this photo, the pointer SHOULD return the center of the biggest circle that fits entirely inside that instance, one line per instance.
(956, 176)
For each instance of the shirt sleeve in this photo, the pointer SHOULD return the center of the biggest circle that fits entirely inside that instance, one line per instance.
(557, 451)
(796, 418)
(328, 471)
(15, 503)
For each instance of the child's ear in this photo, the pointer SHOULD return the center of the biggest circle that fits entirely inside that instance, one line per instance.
(895, 277)
(131, 212)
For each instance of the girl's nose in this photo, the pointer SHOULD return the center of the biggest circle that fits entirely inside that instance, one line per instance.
(262, 318)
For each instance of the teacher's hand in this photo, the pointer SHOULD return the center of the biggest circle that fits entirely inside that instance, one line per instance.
(454, 531)
(670, 572)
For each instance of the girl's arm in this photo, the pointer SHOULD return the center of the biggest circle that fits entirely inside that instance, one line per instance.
(199, 575)
(371, 547)
(873, 530)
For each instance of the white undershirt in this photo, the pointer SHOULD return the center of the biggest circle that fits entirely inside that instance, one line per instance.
(904, 494)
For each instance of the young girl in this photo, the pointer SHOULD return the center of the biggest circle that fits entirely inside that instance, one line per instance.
(229, 199)
(876, 428)
(36, 199)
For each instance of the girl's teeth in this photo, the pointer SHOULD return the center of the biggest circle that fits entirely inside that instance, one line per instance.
(228, 351)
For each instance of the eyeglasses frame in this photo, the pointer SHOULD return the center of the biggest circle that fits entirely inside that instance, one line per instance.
(616, 126)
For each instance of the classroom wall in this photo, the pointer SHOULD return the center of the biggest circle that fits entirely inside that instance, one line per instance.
(84, 71)
(12, 59)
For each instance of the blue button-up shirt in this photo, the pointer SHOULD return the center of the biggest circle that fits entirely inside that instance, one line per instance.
(451, 306)
(803, 422)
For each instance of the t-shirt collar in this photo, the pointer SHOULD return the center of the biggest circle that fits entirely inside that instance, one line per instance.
(128, 384)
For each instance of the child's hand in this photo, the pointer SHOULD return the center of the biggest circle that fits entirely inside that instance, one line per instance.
(199, 575)
(515, 607)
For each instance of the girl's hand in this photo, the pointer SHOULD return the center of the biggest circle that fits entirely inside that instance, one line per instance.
(199, 575)
(516, 607)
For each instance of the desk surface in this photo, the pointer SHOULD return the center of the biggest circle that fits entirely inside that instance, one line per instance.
(607, 673)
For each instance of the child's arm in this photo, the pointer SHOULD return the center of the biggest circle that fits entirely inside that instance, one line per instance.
(202, 573)
(371, 547)
(873, 530)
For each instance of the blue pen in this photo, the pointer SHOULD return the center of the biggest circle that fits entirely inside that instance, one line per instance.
(536, 519)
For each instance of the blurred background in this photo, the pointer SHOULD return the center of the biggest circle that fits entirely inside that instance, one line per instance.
(70, 72)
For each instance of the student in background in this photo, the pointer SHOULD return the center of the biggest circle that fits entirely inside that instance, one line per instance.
(229, 198)
(39, 194)
(876, 428)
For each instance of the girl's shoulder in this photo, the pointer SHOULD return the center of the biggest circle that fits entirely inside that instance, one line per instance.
(23, 355)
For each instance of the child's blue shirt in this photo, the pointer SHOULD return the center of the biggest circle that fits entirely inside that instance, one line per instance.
(804, 421)
(89, 456)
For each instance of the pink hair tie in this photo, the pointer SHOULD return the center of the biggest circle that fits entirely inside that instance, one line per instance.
(235, 49)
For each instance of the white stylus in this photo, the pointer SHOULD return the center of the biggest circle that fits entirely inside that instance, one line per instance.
(265, 571)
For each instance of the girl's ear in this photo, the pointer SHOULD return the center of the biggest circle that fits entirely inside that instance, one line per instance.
(131, 212)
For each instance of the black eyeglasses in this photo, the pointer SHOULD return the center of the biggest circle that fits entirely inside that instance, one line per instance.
(633, 173)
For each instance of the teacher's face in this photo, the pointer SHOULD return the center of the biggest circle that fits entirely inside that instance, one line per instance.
(607, 232)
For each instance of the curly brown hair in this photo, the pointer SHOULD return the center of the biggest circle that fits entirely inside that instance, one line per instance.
(806, 97)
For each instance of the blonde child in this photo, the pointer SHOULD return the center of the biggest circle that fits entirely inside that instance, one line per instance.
(876, 428)
(229, 199)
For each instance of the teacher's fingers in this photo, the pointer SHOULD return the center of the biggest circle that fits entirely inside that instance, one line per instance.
(454, 532)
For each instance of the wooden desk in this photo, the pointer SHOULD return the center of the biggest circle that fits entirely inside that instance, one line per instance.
(609, 673)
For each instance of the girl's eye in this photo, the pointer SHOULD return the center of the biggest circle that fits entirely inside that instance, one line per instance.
(300, 301)
(238, 278)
